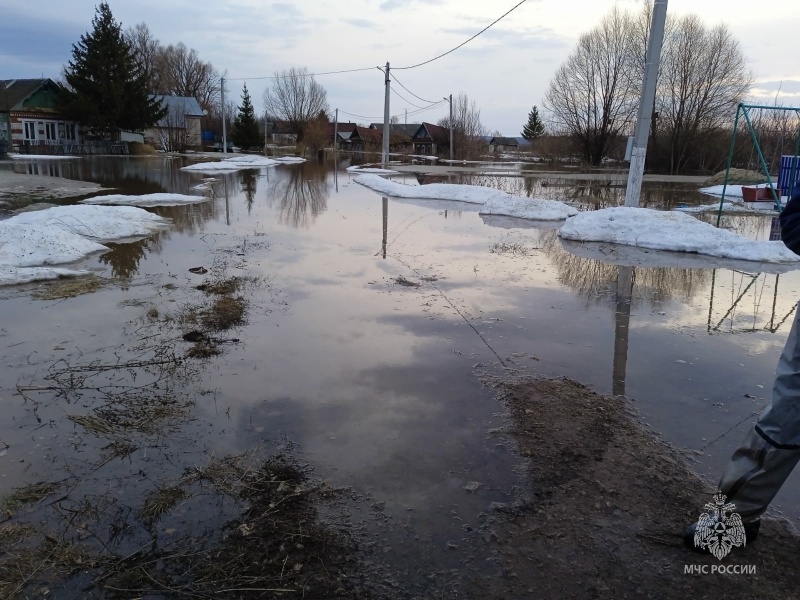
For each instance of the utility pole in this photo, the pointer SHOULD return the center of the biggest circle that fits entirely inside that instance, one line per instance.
(386, 120)
(335, 129)
(265, 132)
(224, 131)
(406, 121)
(642, 131)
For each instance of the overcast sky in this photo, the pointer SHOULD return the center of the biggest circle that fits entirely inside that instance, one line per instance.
(506, 70)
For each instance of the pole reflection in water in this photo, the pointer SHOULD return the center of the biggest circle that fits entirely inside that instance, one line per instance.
(385, 224)
(622, 319)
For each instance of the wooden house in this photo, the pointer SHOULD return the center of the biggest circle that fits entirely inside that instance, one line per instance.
(29, 117)
(431, 140)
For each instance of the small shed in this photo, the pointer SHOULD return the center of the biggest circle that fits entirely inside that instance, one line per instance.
(503, 144)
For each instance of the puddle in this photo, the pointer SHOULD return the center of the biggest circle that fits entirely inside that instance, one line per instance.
(361, 350)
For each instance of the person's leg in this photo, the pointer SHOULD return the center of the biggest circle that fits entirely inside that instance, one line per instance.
(770, 451)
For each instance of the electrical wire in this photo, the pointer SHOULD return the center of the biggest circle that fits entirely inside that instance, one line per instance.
(463, 43)
(399, 95)
(400, 83)
(302, 75)
(380, 118)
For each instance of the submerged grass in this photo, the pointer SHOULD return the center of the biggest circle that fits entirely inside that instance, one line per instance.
(161, 501)
(70, 287)
(225, 313)
(30, 494)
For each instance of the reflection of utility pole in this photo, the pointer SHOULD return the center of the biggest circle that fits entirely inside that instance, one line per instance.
(385, 224)
(224, 130)
(227, 202)
(622, 320)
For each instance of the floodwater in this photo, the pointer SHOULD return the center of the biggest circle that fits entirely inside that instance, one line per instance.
(375, 384)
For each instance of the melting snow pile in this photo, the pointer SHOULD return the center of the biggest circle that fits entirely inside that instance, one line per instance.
(146, 200)
(65, 234)
(727, 207)
(288, 159)
(732, 191)
(646, 228)
(373, 170)
(237, 163)
(494, 202)
(42, 157)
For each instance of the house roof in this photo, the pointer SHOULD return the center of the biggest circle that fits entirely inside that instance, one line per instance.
(503, 141)
(368, 135)
(13, 92)
(186, 104)
(397, 128)
(440, 135)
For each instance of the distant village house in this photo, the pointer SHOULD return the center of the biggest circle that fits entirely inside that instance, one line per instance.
(431, 140)
(180, 129)
(503, 144)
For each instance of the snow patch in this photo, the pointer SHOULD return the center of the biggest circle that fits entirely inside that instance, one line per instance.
(493, 201)
(28, 245)
(733, 191)
(42, 157)
(373, 170)
(237, 163)
(94, 222)
(289, 159)
(674, 231)
(728, 207)
(147, 199)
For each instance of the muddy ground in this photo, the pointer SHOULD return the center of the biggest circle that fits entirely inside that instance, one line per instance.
(599, 517)
(605, 507)
(18, 190)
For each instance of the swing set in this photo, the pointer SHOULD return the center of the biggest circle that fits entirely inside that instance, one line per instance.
(790, 165)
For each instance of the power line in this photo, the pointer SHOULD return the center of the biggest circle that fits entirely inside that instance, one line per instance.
(463, 43)
(297, 75)
(410, 92)
(399, 95)
(380, 118)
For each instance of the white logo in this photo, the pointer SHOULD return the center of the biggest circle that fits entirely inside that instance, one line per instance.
(720, 529)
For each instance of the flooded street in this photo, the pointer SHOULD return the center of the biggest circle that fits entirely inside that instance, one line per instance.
(371, 325)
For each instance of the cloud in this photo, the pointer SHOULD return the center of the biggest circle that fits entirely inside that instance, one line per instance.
(504, 38)
(395, 4)
(363, 23)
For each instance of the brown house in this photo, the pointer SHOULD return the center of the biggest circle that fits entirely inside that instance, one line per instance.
(431, 140)
(28, 117)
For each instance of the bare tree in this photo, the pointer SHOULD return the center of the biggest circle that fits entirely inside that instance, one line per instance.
(296, 98)
(703, 77)
(182, 72)
(468, 130)
(173, 130)
(146, 51)
(593, 94)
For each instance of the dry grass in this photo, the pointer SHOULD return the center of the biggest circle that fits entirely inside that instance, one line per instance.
(69, 287)
(737, 176)
(10, 504)
(160, 502)
(514, 249)
(221, 287)
(225, 313)
(405, 282)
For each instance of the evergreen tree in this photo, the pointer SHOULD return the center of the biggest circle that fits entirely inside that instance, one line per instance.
(534, 128)
(246, 133)
(106, 88)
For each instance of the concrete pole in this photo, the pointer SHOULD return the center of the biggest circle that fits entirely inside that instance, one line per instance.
(265, 132)
(642, 132)
(622, 321)
(224, 130)
(386, 124)
(335, 129)
(451, 127)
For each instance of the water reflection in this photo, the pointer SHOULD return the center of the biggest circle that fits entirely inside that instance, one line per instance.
(596, 281)
(249, 183)
(749, 303)
(622, 320)
(300, 193)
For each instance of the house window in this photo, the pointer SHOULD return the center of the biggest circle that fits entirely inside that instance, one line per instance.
(30, 130)
(50, 132)
(66, 131)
